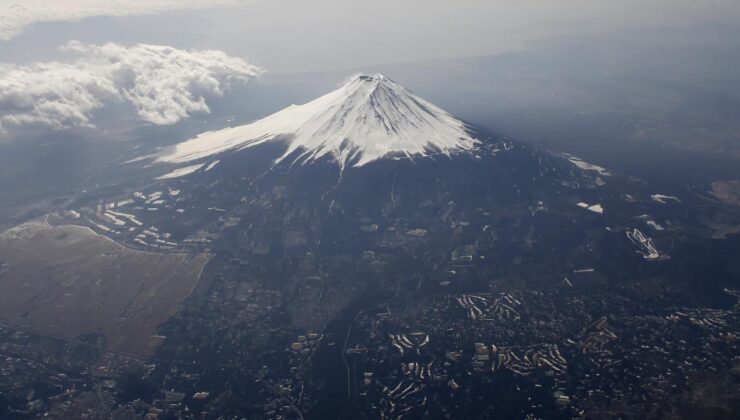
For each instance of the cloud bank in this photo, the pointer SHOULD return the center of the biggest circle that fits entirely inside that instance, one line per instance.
(15, 15)
(164, 84)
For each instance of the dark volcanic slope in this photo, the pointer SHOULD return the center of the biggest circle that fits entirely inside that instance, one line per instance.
(305, 249)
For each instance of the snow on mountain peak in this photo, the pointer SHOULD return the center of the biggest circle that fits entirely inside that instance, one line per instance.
(368, 118)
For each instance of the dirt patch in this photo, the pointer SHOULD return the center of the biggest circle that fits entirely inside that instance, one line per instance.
(68, 281)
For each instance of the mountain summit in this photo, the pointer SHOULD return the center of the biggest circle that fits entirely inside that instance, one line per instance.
(370, 117)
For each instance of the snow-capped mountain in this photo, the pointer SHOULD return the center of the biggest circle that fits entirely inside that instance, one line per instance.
(370, 117)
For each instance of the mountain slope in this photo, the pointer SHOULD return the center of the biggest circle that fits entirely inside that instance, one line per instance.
(369, 118)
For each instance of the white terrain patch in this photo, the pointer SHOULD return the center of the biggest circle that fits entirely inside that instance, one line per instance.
(187, 170)
(663, 199)
(645, 245)
(212, 165)
(596, 208)
(581, 164)
(653, 224)
(650, 222)
(368, 118)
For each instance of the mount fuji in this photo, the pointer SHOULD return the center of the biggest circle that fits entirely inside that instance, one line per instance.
(369, 150)
(370, 117)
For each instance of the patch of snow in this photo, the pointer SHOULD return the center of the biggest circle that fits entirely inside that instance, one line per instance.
(140, 158)
(645, 245)
(368, 118)
(150, 233)
(181, 172)
(663, 199)
(650, 222)
(124, 203)
(116, 221)
(130, 217)
(587, 166)
(212, 165)
(596, 208)
(653, 224)
(102, 227)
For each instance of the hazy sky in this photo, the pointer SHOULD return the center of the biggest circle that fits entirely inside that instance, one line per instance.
(61, 61)
(302, 35)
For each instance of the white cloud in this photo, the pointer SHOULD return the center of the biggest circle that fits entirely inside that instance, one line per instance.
(15, 15)
(164, 84)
